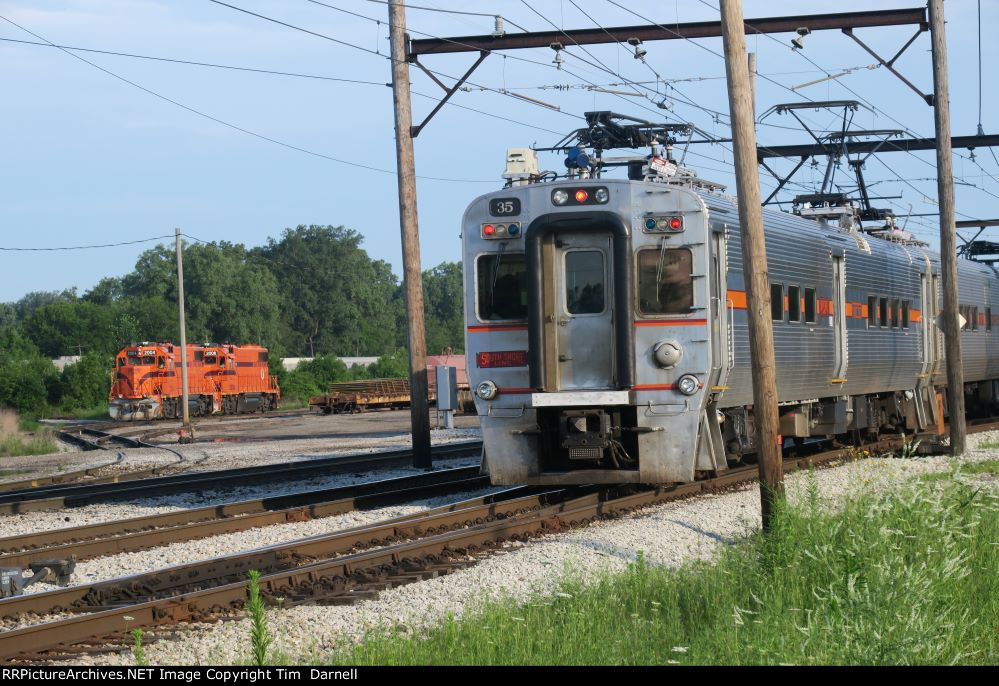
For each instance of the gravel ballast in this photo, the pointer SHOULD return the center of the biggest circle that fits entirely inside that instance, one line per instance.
(125, 564)
(29, 522)
(669, 534)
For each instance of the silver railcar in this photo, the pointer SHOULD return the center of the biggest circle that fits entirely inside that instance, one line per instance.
(606, 331)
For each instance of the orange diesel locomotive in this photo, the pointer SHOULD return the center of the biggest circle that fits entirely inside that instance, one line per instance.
(221, 379)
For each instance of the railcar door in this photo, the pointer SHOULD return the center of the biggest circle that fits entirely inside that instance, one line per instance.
(583, 311)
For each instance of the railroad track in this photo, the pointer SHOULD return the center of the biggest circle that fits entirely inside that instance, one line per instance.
(89, 438)
(56, 496)
(141, 533)
(338, 568)
(60, 478)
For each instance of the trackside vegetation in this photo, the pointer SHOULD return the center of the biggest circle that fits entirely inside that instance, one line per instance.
(313, 292)
(41, 443)
(907, 578)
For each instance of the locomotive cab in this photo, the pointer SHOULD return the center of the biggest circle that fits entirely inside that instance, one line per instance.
(138, 372)
(588, 305)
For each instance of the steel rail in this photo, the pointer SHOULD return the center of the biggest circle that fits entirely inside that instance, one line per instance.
(329, 569)
(47, 498)
(60, 478)
(303, 571)
(141, 533)
(195, 575)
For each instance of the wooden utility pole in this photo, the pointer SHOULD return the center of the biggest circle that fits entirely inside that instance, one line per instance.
(948, 231)
(412, 275)
(183, 332)
(752, 83)
(754, 257)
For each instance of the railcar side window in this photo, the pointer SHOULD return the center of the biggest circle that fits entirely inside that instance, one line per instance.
(872, 311)
(883, 312)
(809, 305)
(894, 313)
(502, 286)
(793, 304)
(584, 282)
(665, 283)
(988, 318)
(777, 302)
(974, 319)
(906, 306)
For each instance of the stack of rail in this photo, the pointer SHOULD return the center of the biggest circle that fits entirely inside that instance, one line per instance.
(369, 394)
(358, 396)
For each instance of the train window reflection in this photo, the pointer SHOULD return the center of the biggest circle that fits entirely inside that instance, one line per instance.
(502, 286)
(584, 282)
(665, 285)
(793, 304)
(777, 302)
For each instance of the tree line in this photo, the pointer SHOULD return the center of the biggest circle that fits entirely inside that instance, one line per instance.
(313, 292)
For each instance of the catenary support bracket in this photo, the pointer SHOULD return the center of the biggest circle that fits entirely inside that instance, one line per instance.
(448, 91)
(890, 64)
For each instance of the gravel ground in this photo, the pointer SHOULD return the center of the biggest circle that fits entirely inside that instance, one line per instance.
(125, 564)
(224, 454)
(669, 534)
(17, 524)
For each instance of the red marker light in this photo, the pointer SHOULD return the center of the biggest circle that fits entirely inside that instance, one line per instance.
(488, 230)
(581, 195)
(675, 223)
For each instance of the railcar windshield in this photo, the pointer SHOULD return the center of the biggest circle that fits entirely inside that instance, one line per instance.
(502, 286)
(140, 360)
(584, 282)
(665, 281)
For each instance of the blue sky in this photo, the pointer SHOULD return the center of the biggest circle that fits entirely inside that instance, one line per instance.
(89, 159)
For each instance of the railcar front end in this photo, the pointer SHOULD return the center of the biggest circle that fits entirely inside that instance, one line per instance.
(590, 352)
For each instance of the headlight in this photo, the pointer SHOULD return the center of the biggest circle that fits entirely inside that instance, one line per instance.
(601, 195)
(687, 384)
(560, 197)
(486, 390)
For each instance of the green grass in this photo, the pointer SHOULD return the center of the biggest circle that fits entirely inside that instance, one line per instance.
(983, 467)
(959, 468)
(99, 411)
(42, 443)
(988, 445)
(902, 579)
(290, 403)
